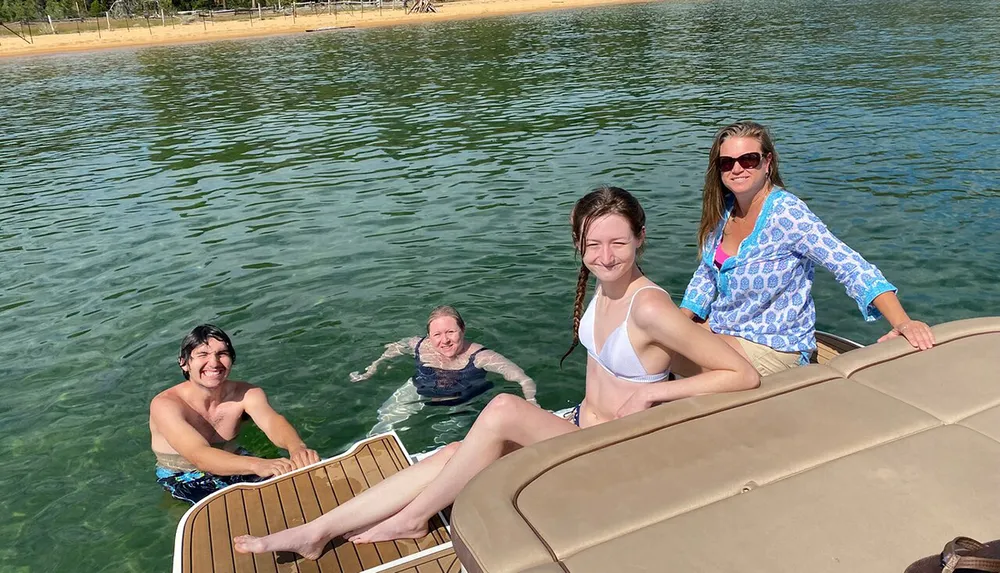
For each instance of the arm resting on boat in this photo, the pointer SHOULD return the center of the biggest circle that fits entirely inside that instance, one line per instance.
(189, 443)
(861, 279)
(723, 369)
(917, 333)
(392, 350)
(492, 361)
(276, 428)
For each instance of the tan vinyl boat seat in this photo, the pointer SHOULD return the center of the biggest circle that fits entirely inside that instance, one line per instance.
(864, 464)
(204, 534)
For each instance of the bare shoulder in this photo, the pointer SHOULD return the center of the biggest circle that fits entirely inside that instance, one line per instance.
(246, 392)
(653, 306)
(168, 410)
(484, 354)
(167, 400)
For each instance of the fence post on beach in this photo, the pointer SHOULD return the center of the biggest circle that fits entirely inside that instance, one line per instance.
(148, 27)
(163, 18)
(97, 20)
(108, 16)
(79, 17)
(51, 27)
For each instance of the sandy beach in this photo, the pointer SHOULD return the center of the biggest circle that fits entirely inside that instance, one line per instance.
(274, 25)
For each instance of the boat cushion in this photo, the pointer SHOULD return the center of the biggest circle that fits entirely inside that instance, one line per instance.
(865, 464)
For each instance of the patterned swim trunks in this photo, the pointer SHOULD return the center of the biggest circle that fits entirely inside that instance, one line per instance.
(193, 486)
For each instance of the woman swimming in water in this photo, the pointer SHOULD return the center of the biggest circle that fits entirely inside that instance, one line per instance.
(450, 370)
(632, 331)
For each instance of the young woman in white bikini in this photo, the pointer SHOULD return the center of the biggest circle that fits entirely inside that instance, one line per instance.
(632, 331)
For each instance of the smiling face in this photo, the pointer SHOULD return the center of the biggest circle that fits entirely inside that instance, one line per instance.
(740, 180)
(446, 335)
(209, 364)
(610, 247)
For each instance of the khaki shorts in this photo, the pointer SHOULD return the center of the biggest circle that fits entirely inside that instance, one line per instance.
(768, 360)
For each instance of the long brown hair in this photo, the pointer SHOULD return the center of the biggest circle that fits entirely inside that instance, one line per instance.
(713, 201)
(592, 206)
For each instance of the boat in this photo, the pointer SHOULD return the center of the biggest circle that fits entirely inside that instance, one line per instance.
(203, 542)
(864, 464)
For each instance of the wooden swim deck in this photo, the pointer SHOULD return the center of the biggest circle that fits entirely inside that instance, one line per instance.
(204, 535)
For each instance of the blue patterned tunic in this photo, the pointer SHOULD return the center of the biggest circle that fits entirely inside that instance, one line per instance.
(764, 292)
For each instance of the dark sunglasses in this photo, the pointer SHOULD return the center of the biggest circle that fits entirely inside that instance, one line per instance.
(747, 161)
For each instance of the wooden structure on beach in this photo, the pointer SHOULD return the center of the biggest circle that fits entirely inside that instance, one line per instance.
(421, 6)
(204, 535)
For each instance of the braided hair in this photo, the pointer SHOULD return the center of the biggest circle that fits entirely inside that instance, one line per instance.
(592, 206)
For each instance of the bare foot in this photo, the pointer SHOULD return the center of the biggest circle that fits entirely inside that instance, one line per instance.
(395, 527)
(287, 540)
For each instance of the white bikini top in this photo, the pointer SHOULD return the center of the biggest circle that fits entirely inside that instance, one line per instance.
(618, 356)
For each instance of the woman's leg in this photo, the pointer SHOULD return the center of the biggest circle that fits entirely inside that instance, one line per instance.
(506, 420)
(403, 403)
(766, 359)
(371, 506)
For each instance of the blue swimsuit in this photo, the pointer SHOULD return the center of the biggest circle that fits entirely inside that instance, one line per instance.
(192, 485)
(450, 387)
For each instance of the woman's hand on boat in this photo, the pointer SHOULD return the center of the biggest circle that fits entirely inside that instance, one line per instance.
(637, 402)
(917, 333)
(302, 457)
(272, 467)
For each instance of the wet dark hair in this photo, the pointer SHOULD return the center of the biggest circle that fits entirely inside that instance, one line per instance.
(198, 336)
(592, 206)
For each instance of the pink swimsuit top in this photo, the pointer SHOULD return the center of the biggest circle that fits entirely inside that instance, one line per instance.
(720, 256)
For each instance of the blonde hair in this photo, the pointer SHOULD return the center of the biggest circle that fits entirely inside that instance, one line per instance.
(713, 202)
(445, 310)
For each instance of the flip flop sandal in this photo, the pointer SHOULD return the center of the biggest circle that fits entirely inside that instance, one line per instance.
(961, 554)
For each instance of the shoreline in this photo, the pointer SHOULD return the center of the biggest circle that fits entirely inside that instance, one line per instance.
(278, 25)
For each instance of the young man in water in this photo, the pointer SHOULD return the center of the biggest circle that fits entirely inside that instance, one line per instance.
(195, 423)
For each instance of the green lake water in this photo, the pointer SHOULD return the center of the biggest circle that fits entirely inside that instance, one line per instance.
(317, 195)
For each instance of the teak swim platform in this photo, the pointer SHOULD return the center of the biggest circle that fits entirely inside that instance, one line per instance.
(204, 535)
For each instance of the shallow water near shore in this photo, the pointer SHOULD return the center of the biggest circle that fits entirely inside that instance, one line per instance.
(316, 196)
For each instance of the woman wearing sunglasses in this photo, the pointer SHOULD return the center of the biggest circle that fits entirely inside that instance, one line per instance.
(760, 245)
